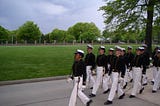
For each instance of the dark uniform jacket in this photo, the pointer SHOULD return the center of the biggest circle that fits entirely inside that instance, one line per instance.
(130, 57)
(146, 61)
(118, 65)
(139, 61)
(109, 61)
(101, 61)
(79, 69)
(110, 58)
(90, 60)
(156, 61)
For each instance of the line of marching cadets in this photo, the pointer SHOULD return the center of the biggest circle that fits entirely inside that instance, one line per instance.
(113, 71)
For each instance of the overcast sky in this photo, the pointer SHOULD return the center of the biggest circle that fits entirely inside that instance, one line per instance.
(50, 14)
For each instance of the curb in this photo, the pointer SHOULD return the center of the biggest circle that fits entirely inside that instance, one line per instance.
(2, 83)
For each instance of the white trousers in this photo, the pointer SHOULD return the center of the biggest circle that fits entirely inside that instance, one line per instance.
(126, 77)
(137, 83)
(77, 91)
(90, 79)
(115, 86)
(144, 78)
(157, 80)
(154, 71)
(100, 80)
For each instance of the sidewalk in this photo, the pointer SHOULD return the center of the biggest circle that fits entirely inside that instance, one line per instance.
(57, 93)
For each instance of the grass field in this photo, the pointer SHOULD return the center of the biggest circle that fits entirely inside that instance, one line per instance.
(25, 62)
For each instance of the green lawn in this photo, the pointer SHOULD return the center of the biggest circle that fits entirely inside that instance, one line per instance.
(25, 62)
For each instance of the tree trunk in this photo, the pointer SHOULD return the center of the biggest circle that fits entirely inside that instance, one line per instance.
(148, 37)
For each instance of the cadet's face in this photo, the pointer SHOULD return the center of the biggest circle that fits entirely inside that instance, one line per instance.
(118, 52)
(110, 52)
(89, 50)
(77, 56)
(158, 55)
(138, 52)
(129, 50)
(101, 51)
(123, 53)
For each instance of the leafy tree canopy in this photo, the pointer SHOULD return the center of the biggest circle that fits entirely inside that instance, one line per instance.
(4, 33)
(132, 15)
(29, 31)
(84, 31)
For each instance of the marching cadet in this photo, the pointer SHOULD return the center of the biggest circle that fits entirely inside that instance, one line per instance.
(123, 54)
(157, 78)
(146, 56)
(154, 69)
(130, 57)
(138, 64)
(79, 76)
(90, 65)
(110, 57)
(117, 74)
(101, 62)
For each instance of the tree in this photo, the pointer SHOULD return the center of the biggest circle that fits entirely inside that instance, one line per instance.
(84, 31)
(132, 15)
(58, 35)
(4, 33)
(29, 32)
(69, 38)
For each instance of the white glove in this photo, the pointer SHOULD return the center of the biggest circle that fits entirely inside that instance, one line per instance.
(151, 64)
(69, 80)
(121, 79)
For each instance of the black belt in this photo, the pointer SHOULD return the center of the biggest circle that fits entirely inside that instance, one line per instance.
(100, 66)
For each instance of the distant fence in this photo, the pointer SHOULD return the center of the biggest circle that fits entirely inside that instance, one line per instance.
(74, 42)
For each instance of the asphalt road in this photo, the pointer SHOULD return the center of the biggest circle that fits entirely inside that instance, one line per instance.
(57, 93)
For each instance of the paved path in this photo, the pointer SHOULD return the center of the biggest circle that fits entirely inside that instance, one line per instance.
(57, 93)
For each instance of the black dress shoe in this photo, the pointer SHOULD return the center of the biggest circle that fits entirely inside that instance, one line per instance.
(89, 102)
(124, 87)
(131, 80)
(132, 96)
(92, 95)
(153, 91)
(152, 82)
(144, 84)
(107, 102)
(106, 91)
(141, 90)
(91, 87)
(121, 97)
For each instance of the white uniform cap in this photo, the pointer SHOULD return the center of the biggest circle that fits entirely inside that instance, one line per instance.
(118, 48)
(123, 49)
(141, 48)
(90, 46)
(111, 49)
(102, 47)
(144, 45)
(158, 51)
(130, 47)
(79, 51)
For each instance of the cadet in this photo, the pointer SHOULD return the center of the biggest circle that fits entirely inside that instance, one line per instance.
(130, 57)
(137, 65)
(146, 56)
(123, 54)
(157, 66)
(117, 68)
(79, 71)
(154, 68)
(90, 65)
(110, 57)
(101, 69)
